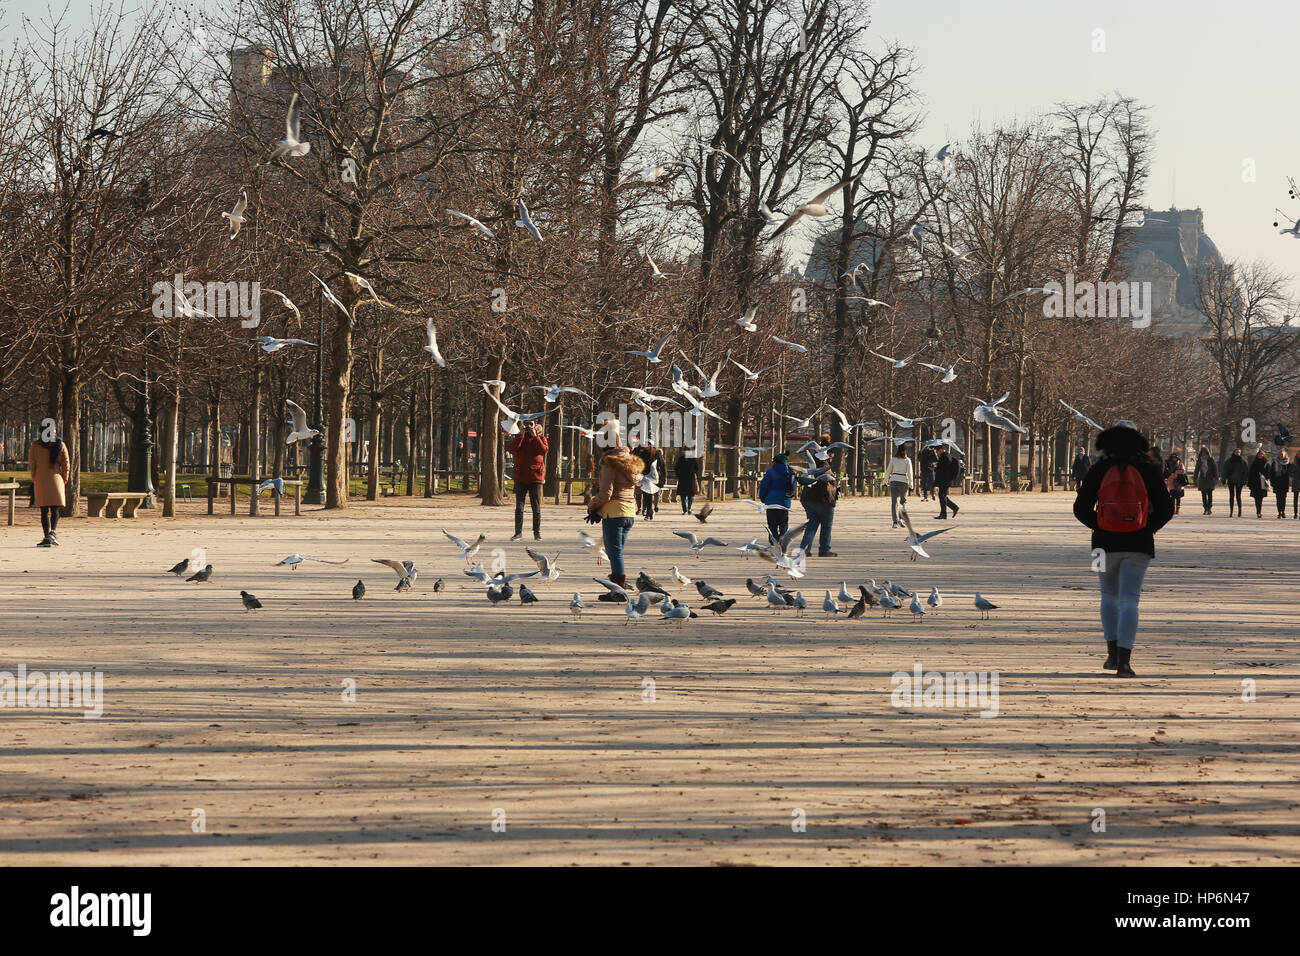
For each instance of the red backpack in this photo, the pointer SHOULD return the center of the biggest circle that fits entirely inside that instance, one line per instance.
(1122, 500)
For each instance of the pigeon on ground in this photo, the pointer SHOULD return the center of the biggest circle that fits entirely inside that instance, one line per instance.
(250, 601)
(868, 598)
(501, 595)
(615, 592)
(754, 589)
(720, 605)
(859, 608)
(526, 596)
(438, 585)
(358, 590)
(707, 592)
(203, 575)
(405, 570)
(646, 583)
(180, 567)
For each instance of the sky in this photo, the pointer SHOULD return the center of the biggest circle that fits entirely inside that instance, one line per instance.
(1218, 76)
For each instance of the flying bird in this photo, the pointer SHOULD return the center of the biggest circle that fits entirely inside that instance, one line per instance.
(653, 355)
(287, 303)
(487, 233)
(898, 363)
(292, 144)
(525, 221)
(746, 321)
(466, 550)
(330, 295)
(294, 560)
(802, 350)
(814, 207)
(1079, 415)
(298, 420)
(405, 570)
(914, 540)
(431, 343)
(272, 344)
(236, 215)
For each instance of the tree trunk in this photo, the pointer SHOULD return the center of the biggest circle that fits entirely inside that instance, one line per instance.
(171, 431)
(490, 490)
(374, 420)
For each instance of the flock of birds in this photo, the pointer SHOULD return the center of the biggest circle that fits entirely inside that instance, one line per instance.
(500, 587)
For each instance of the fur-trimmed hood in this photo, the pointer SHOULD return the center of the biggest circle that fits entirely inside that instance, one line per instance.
(628, 466)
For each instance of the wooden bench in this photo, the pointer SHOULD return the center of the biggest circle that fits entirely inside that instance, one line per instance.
(11, 489)
(214, 486)
(390, 476)
(113, 504)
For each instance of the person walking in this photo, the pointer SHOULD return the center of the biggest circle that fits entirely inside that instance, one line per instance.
(777, 491)
(1175, 478)
(926, 460)
(689, 469)
(1257, 481)
(946, 470)
(652, 460)
(1079, 469)
(1234, 473)
(900, 476)
(818, 498)
(1279, 477)
(614, 504)
(1123, 490)
(49, 465)
(529, 448)
(1294, 472)
(1206, 476)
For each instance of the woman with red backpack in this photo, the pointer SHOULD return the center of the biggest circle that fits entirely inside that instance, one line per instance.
(1125, 501)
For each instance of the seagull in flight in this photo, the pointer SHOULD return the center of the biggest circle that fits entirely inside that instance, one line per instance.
(905, 423)
(914, 540)
(187, 311)
(710, 389)
(298, 418)
(868, 300)
(364, 283)
(236, 215)
(431, 343)
(465, 549)
(845, 425)
(330, 295)
(1080, 415)
(287, 304)
(767, 215)
(405, 570)
(898, 363)
(292, 144)
(511, 418)
(949, 372)
(658, 273)
(525, 221)
(814, 207)
(653, 355)
(1016, 295)
(746, 451)
(751, 376)
(698, 545)
(647, 174)
(802, 350)
(270, 344)
(988, 413)
(553, 392)
(746, 321)
(294, 560)
(487, 233)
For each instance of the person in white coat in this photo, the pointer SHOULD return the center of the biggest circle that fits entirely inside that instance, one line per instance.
(900, 475)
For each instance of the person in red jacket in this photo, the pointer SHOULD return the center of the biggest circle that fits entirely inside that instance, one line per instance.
(529, 448)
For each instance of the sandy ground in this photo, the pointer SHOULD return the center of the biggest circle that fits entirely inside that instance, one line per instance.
(464, 711)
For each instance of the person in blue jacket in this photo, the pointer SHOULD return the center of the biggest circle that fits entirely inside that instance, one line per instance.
(777, 488)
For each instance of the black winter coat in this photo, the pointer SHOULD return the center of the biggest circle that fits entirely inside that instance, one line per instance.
(1124, 445)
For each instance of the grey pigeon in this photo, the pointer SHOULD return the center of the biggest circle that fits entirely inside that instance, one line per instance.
(500, 595)
(526, 596)
(646, 583)
(358, 590)
(859, 608)
(754, 589)
(201, 575)
(720, 606)
(437, 585)
(179, 567)
(250, 601)
(709, 593)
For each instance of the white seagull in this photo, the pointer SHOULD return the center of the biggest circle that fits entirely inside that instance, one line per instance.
(914, 540)
(553, 392)
(814, 207)
(330, 295)
(746, 321)
(793, 345)
(285, 300)
(898, 363)
(1080, 415)
(292, 144)
(236, 215)
(298, 418)
(525, 221)
(270, 344)
(466, 550)
(949, 372)
(653, 355)
(487, 233)
(431, 345)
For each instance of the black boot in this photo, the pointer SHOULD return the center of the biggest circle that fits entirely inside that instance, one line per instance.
(1122, 669)
(1110, 664)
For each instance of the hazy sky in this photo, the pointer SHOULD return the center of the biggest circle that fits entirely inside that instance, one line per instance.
(1219, 78)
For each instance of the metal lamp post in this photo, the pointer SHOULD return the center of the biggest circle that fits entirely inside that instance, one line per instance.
(315, 494)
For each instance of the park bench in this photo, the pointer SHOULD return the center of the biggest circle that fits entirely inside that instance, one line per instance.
(1016, 481)
(10, 488)
(214, 487)
(391, 475)
(113, 504)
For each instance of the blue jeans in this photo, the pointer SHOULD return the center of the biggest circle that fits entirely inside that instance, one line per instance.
(614, 531)
(1121, 586)
(820, 515)
(688, 502)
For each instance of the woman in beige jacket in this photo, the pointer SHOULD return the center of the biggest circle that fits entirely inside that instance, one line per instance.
(614, 504)
(49, 465)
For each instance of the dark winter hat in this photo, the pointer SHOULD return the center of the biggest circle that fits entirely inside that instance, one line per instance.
(782, 458)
